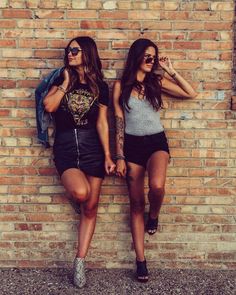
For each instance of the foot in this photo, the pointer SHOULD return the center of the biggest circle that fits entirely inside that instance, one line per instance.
(142, 272)
(152, 225)
(79, 272)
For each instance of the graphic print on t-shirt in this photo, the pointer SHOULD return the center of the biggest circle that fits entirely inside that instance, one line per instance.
(78, 103)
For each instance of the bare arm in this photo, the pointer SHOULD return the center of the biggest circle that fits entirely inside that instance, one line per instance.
(103, 132)
(173, 83)
(120, 127)
(53, 98)
(119, 117)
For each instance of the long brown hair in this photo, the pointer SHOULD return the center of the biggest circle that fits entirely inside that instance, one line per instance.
(152, 81)
(91, 62)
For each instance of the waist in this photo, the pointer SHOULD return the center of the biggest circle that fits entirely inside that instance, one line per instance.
(78, 130)
(147, 136)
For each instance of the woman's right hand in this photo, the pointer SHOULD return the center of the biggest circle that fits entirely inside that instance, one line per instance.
(121, 168)
(66, 76)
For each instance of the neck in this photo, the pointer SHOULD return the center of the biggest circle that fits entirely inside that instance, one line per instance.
(80, 71)
(140, 76)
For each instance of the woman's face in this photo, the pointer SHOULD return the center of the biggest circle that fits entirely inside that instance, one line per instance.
(74, 54)
(148, 60)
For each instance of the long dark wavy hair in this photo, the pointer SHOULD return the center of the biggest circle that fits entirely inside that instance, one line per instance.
(91, 63)
(152, 81)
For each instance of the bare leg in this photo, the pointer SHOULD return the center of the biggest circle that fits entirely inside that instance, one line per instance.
(88, 216)
(156, 167)
(135, 180)
(76, 184)
(86, 190)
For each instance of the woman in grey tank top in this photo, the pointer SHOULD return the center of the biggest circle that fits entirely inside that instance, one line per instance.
(141, 143)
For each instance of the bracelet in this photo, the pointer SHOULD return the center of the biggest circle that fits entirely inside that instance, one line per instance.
(119, 157)
(60, 87)
(173, 75)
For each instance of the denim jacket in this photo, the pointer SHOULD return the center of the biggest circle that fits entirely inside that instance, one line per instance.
(44, 118)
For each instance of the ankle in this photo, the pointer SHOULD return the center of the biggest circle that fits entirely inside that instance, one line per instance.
(140, 259)
(153, 214)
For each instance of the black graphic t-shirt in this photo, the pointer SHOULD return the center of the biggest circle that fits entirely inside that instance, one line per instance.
(79, 108)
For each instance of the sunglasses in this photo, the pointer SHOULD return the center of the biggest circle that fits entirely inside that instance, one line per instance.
(74, 50)
(149, 59)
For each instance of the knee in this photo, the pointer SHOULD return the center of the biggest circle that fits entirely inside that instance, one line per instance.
(80, 194)
(90, 211)
(137, 206)
(157, 190)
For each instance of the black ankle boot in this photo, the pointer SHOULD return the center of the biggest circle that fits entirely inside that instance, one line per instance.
(142, 272)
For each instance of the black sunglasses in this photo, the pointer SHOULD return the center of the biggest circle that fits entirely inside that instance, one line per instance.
(74, 50)
(150, 59)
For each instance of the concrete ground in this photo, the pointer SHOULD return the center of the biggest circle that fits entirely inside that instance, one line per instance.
(113, 281)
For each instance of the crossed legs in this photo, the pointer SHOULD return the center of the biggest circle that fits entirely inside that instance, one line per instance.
(85, 190)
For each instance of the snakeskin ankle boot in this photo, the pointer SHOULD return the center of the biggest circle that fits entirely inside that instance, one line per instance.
(79, 272)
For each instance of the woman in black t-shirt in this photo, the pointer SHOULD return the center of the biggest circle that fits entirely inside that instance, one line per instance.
(79, 100)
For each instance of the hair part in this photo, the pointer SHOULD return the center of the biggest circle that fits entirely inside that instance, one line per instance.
(91, 62)
(151, 86)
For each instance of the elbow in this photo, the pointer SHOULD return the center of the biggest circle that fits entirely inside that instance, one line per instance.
(192, 95)
(101, 126)
(47, 107)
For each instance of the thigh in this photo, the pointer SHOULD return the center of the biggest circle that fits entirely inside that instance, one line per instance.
(135, 180)
(157, 168)
(73, 178)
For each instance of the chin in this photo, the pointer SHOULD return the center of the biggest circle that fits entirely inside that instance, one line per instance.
(148, 70)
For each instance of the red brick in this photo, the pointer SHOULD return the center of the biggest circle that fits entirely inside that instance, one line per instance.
(169, 36)
(31, 43)
(188, 25)
(174, 15)
(17, 13)
(49, 14)
(84, 24)
(65, 24)
(4, 113)
(217, 85)
(202, 5)
(205, 15)
(82, 14)
(217, 26)
(45, 54)
(204, 36)
(7, 23)
(187, 45)
(113, 14)
(28, 226)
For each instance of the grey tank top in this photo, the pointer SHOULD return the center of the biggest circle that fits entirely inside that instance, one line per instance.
(142, 119)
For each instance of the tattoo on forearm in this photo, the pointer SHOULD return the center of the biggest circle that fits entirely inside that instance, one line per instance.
(120, 133)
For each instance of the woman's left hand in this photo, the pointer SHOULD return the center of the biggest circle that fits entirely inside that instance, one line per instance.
(110, 166)
(166, 64)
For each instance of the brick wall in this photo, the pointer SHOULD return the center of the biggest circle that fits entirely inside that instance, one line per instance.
(234, 63)
(38, 226)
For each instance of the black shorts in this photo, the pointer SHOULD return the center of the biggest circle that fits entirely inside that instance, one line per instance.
(138, 149)
(79, 148)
